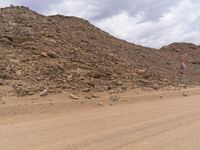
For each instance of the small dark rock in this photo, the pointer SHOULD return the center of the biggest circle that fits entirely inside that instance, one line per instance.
(114, 98)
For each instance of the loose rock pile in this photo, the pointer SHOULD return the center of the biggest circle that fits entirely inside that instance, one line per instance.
(57, 52)
(47, 54)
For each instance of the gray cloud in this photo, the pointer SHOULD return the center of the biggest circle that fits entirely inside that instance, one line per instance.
(38, 5)
(148, 22)
(151, 9)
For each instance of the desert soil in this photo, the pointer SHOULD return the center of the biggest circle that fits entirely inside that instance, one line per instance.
(138, 120)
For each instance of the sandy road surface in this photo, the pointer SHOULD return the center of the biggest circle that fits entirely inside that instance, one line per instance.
(166, 124)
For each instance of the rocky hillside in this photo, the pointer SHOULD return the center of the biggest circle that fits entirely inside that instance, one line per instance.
(58, 52)
(187, 52)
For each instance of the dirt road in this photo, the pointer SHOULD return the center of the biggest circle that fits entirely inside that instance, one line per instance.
(164, 124)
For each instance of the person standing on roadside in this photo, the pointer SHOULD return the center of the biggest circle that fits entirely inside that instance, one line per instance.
(183, 72)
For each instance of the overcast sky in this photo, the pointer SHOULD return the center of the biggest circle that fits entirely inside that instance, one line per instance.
(151, 23)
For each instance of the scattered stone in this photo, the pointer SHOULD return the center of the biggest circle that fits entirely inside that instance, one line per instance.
(86, 90)
(118, 83)
(171, 88)
(140, 71)
(14, 60)
(1, 82)
(166, 80)
(82, 102)
(94, 96)
(44, 54)
(52, 54)
(44, 93)
(110, 87)
(156, 87)
(101, 104)
(112, 92)
(123, 89)
(64, 81)
(182, 85)
(111, 104)
(185, 94)
(148, 89)
(114, 98)
(72, 96)
(88, 97)
(31, 93)
(18, 72)
(34, 98)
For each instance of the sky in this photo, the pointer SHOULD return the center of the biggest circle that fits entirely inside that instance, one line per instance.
(152, 23)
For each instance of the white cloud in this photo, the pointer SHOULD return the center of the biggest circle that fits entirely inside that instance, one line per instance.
(79, 8)
(180, 24)
(6, 3)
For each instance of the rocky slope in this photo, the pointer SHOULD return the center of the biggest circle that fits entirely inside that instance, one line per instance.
(189, 53)
(58, 52)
